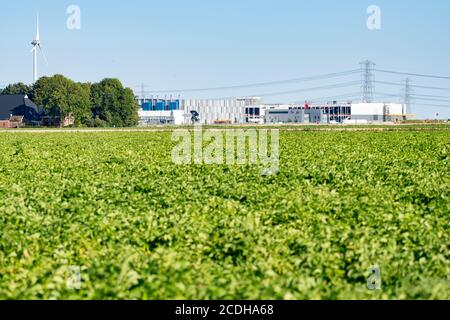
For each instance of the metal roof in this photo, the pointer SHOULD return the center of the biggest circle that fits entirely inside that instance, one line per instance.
(17, 104)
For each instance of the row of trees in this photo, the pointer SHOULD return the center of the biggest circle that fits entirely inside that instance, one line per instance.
(103, 104)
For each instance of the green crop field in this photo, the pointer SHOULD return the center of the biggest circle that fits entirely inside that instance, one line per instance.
(140, 227)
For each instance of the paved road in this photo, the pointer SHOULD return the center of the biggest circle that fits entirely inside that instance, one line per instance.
(337, 129)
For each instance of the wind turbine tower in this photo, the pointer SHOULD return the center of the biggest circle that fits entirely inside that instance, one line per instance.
(37, 44)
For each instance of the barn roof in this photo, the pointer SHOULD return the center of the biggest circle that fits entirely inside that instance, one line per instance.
(9, 104)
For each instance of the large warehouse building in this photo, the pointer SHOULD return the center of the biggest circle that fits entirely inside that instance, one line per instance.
(180, 111)
(253, 111)
(335, 113)
(378, 112)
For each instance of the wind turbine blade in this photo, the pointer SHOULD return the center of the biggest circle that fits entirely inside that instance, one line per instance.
(37, 26)
(43, 54)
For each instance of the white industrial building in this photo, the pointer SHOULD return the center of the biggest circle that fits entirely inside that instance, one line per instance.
(173, 117)
(252, 111)
(231, 111)
(337, 113)
(180, 111)
(378, 112)
(256, 114)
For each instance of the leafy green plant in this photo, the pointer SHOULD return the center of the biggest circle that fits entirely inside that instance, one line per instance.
(141, 227)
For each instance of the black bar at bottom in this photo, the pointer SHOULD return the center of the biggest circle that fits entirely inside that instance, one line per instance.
(186, 310)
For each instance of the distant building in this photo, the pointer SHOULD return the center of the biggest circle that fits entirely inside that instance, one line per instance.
(251, 110)
(294, 115)
(57, 121)
(336, 113)
(379, 112)
(12, 122)
(179, 111)
(219, 111)
(250, 101)
(13, 106)
(166, 117)
(162, 112)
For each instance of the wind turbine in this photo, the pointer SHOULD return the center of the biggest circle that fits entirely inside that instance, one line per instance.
(37, 44)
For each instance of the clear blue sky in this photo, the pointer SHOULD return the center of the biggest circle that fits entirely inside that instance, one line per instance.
(207, 43)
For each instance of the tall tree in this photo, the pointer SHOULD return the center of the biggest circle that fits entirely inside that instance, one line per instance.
(18, 88)
(106, 103)
(114, 104)
(61, 97)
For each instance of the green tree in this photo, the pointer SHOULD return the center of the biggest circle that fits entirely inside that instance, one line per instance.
(62, 97)
(18, 88)
(114, 104)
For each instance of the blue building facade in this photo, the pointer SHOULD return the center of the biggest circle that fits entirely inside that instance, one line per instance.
(161, 105)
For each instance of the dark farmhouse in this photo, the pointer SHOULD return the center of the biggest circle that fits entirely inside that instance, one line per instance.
(18, 110)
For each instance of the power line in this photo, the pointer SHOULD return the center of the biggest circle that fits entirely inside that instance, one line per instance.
(416, 97)
(431, 88)
(431, 105)
(430, 99)
(335, 86)
(413, 86)
(262, 84)
(413, 74)
(431, 96)
(348, 95)
(367, 73)
(387, 94)
(286, 82)
(391, 97)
